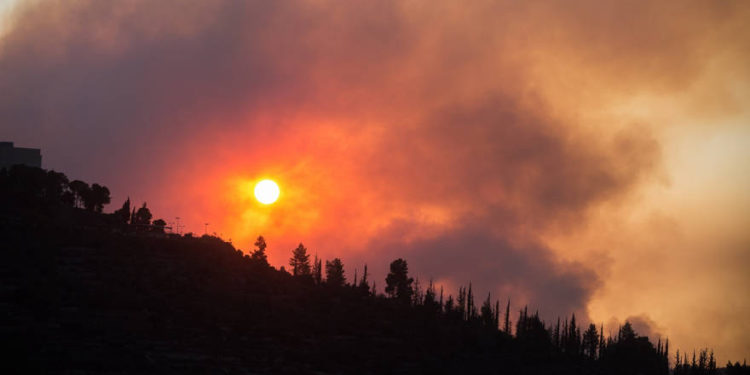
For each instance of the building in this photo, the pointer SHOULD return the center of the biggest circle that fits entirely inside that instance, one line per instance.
(10, 156)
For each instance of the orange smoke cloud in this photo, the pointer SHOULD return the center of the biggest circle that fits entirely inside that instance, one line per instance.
(535, 149)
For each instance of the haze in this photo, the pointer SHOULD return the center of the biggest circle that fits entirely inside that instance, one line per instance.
(576, 156)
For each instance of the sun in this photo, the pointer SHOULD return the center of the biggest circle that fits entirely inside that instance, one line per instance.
(266, 191)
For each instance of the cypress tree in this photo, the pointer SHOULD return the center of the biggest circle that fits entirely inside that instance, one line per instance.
(507, 317)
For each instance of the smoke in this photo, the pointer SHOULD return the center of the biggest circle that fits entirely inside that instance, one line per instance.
(470, 139)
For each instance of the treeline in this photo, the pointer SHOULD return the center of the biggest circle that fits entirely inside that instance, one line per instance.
(487, 330)
(24, 189)
(704, 363)
(625, 353)
(30, 187)
(563, 341)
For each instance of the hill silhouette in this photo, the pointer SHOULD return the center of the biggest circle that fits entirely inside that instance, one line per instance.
(88, 292)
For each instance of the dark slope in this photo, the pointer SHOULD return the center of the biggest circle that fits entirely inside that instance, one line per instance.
(86, 292)
(85, 299)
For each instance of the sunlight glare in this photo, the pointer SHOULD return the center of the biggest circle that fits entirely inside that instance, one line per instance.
(266, 191)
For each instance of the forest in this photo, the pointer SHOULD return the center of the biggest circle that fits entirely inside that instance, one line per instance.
(85, 291)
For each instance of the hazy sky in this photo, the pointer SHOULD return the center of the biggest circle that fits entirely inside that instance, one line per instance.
(578, 156)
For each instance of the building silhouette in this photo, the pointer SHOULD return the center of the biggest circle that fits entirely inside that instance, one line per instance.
(10, 156)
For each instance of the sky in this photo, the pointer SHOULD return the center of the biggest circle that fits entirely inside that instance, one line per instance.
(583, 156)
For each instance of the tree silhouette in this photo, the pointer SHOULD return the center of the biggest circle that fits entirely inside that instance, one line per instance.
(461, 303)
(335, 273)
(430, 302)
(416, 297)
(486, 314)
(506, 326)
(122, 215)
(80, 192)
(398, 283)
(627, 333)
(364, 286)
(142, 216)
(199, 291)
(590, 341)
(300, 261)
(471, 309)
(317, 270)
(159, 225)
(572, 343)
(259, 254)
(448, 307)
(98, 197)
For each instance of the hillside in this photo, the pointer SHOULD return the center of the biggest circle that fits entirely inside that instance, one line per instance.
(86, 292)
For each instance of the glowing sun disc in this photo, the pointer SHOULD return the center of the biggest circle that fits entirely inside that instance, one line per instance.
(266, 191)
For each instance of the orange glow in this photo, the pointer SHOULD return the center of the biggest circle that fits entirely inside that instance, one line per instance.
(615, 144)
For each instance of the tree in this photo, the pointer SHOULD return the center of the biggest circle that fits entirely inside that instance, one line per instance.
(335, 273)
(416, 297)
(159, 225)
(398, 283)
(364, 286)
(449, 306)
(363, 282)
(98, 197)
(300, 261)
(142, 216)
(123, 214)
(590, 341)
(506, 326)
(471, 308)
(573, 338)
(21, 185)
(430, 301)
(461, 303)
(81, 192)
(486, 314)
(626, 332)
(260, 252)
(317, 270)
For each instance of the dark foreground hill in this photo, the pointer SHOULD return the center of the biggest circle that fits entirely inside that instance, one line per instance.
(85, 292)
(87, 300)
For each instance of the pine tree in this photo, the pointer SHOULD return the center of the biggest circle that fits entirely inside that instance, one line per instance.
(471, 309)
(693, 364)
(363, 283)
(573, 346)
(417, 295)
(497, 314)
(506, 327)
(259, 254)
(335, 273)
(461, 303)
(556, 334)
(449, 306)
(601, 341)
(398, 283)
(441, 298)
(430, 303)
(522, 323)
(317, 270)
(300, 261)
(486, 315)
(590, 341)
